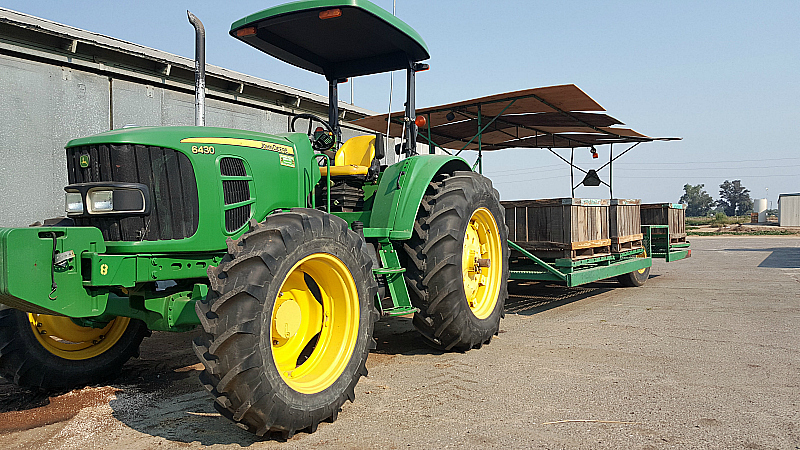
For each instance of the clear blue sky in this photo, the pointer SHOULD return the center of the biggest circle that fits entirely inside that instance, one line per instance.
(723, 75)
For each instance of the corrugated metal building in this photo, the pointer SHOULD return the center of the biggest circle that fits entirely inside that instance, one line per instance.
(58, 83)
(789, 210)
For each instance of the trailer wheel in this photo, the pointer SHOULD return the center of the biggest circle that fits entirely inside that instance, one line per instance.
(457, 262)
(635, 278)
(288, 323)
(53, 352)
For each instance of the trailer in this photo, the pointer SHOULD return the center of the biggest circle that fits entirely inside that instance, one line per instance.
(553, 118)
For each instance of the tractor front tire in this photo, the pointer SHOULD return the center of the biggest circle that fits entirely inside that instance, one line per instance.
(53, 353)
(288, 323)
(457, 262)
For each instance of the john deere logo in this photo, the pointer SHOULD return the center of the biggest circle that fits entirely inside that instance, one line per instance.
(84, 161)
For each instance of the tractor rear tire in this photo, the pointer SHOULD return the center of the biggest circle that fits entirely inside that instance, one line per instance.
(53, 353)
(635, 278)
(288, 323)
(460, 223)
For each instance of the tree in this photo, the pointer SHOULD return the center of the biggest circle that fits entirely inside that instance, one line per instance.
(734, 198)
(697, 200)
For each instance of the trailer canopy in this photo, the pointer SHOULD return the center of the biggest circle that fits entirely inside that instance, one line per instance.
(547, 117)
(335, 38)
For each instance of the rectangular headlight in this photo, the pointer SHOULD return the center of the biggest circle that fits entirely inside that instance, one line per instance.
(107, 197)
(73, 203)
(100, 201)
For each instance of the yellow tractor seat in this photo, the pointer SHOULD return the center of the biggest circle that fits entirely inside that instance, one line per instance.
(353, 158)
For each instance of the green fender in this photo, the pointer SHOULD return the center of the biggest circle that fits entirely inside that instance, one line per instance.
(401, 189)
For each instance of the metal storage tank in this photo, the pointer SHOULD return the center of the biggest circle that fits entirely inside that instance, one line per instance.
(789, 210)
(761, 209)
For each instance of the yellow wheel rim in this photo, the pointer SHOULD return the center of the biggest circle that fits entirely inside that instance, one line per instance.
(482, 263)
(642, 255)
(314, 326)
(64, 338)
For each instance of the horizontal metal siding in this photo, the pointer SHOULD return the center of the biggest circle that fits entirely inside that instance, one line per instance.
(789, 210)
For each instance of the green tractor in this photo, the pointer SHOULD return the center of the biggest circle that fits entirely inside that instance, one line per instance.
(285, 248)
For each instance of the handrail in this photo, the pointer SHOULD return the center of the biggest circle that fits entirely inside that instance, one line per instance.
(328, 181)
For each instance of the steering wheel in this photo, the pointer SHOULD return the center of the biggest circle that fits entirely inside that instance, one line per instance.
(320, 141)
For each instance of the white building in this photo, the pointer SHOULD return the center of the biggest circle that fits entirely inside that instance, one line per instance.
(789, 210)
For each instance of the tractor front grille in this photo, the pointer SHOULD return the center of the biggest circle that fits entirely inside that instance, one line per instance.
(166, 172)
(235, 190)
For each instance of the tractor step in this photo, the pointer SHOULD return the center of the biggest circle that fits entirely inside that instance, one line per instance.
(387, 271)
(401, 302)
(399, 311)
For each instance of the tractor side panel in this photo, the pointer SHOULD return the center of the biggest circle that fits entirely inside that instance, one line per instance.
(401, 190)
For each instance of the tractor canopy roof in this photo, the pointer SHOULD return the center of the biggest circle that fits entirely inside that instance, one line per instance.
(335, 38)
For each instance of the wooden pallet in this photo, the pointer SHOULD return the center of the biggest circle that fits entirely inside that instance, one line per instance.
(572, 250)
(626, 243)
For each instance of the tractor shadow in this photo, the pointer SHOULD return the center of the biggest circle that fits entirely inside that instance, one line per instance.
(397, 336)
(533, 297)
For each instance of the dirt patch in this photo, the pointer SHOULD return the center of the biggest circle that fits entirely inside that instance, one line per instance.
(59, 409)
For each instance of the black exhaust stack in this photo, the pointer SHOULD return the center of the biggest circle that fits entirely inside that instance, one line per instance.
(199, 70)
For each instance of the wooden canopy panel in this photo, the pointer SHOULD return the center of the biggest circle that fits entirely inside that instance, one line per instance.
(548, 117)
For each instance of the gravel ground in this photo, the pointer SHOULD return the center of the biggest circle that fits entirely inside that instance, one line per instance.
(705, 355)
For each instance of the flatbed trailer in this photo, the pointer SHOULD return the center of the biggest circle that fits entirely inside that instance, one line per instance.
(524, 265)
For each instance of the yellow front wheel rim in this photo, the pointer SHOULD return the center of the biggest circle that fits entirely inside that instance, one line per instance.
(482, 263)
(64, 338)
(314, 324)
(642, 255)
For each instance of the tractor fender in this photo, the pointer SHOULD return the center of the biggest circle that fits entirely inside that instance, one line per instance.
(401, 189)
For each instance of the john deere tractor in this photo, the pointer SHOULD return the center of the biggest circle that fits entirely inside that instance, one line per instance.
(285, 248)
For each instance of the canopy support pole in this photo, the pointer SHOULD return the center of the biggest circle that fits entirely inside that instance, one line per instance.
(431, 148)
(610, 171)
(572, 170)
(333, 109)
(411, 127)
(480, 142)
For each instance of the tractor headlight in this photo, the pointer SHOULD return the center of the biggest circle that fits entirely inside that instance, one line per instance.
(107, 198)
(73, 203)
(100, 201)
